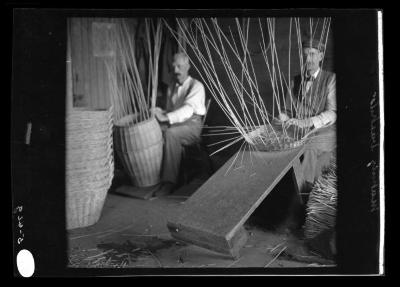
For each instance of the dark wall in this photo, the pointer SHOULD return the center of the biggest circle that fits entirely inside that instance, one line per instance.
(358, 140)
(37, 169)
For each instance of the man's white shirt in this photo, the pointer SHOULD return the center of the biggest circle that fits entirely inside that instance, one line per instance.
(185, 100)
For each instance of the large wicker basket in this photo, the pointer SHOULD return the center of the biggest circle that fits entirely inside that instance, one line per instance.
(140, 148)
(89, 165)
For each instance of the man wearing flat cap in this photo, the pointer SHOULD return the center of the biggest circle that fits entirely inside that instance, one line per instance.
(311, 105)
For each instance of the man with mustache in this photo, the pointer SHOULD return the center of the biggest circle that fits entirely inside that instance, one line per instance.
(311, 104)
(181, 121)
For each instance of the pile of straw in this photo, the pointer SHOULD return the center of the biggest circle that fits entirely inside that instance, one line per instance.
(321, 206)
(106, 259)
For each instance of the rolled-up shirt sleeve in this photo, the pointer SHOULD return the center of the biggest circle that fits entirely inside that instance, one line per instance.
(328, 116)
(194, 104)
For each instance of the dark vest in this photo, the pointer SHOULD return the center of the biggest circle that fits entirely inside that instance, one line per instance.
(313, 102)
(172, 88)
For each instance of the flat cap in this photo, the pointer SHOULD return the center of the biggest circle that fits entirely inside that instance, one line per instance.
(313, 43)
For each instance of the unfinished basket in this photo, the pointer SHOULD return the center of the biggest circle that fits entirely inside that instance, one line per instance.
(140, 148)
(89, 165)
(274, 138)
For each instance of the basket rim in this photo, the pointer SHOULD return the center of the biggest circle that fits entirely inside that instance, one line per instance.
(118, 125)
(89, 109)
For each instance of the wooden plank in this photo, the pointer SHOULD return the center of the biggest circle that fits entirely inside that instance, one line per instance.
(69, 85)
(102, 33)
(103, 70)
(222, 205)
(85, 66)
(209, 240)
(237, 242)
(103, 89)
(89, 75)
(93, 79)
(76, 55)
(199, 237)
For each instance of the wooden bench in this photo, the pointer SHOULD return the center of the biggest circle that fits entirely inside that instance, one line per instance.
(214, 215)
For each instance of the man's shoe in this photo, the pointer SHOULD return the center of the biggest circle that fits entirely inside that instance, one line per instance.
(165, 189)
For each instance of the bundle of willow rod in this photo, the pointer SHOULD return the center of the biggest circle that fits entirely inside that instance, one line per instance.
(129, 95)
(321, 206)
(251, 121)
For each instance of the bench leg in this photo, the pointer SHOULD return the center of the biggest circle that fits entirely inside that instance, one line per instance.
(237, 242)
(298, 178)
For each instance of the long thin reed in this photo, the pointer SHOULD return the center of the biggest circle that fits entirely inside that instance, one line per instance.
(234, 83)
(128, 94)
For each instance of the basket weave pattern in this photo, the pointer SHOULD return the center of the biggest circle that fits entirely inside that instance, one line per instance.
(89, 165)
(322, 203)
(272, 139)
(140, 148)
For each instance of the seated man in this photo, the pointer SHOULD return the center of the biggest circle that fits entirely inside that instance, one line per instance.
(312, 105)
(181, 122)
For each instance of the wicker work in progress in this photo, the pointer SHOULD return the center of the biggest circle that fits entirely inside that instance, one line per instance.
(272, 138)
(140, 149)
(89, 165)
(321, 206)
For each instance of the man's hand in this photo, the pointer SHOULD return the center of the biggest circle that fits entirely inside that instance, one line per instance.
(283, 117)
(304, 123)
(160, 115)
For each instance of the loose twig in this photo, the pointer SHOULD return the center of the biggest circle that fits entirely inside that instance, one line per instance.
(269, 263)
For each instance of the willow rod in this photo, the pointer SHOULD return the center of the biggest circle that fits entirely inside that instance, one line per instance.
(323, 58)
(213, 83)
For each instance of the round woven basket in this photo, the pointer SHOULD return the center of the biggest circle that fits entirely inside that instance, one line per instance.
(274, 139)
(89, 165)
(140, 148)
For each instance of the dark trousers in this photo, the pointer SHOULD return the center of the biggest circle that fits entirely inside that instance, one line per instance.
(176, 137)
(318, 153)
